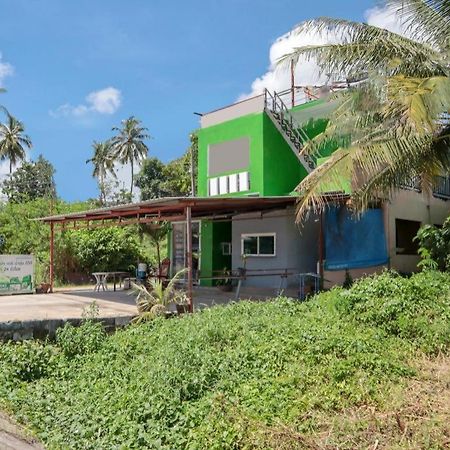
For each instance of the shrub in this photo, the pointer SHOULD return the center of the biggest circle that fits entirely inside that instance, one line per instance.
(434, 246)
(87, 338)
(105, 249)
(27, 361)
(416, 308)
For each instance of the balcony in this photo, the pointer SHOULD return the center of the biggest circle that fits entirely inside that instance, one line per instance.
(441, 187)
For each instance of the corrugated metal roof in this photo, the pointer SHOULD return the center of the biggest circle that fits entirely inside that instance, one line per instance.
(165, 207)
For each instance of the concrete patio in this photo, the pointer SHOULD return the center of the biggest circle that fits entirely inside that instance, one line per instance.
(67, 304)
(30, 316)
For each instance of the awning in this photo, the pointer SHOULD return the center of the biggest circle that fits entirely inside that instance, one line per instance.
(174, 208)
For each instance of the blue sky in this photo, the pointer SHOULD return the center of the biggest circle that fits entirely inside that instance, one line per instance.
(162, 59)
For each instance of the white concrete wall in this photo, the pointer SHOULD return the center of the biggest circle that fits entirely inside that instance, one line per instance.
(239, 109)
(411, 205)
(296, 247)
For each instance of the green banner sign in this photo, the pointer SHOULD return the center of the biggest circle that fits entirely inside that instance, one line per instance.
(16, 274)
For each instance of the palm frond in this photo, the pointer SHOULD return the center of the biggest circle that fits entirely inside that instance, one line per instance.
(364, 47)
(428, 20)
(418, 102)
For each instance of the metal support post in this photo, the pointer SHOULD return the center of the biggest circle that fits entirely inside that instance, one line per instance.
(189, 257)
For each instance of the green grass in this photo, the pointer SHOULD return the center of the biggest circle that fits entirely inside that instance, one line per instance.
(336, 370)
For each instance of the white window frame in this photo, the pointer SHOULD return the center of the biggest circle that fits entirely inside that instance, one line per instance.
(213, 188)
(223, 185)
(233, 183)
(243, 181)
(226, 248)
(229, 184)
(258, 235)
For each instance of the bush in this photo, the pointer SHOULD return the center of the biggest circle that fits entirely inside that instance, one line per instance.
(25, 236)
(106, 249)
(82, 340)
(27, 361)
(434, 246)
(416, 308)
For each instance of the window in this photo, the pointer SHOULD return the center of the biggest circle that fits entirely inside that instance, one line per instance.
(258, 244)
(223, 185)
(213, 186)
(233, 183)
(244, 181)
(226, 184)
(405, 232)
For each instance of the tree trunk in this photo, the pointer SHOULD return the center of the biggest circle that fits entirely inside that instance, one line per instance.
(158, 254)
(10, 167)
(102, 191)
(132, 179)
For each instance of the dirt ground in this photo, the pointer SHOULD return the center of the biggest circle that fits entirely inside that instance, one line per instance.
(14, 437)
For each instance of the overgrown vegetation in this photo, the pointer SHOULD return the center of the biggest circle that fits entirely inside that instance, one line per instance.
(22, 235)
(77, 253)
(348, 369)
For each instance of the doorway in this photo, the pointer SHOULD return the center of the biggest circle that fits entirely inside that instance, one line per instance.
(179, 247)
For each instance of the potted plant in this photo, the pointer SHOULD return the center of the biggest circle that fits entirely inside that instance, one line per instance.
(225, 283)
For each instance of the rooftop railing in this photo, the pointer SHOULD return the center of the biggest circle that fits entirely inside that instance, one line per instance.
(441, 186)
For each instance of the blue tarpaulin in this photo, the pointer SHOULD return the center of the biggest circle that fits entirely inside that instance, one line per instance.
(352, 242)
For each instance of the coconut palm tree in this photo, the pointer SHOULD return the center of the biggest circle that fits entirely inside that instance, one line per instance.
(13, 141)
(103, 163)
(157, 232)
(128, 145)
(395, 126)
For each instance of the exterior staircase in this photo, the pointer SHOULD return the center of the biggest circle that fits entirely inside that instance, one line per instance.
(289, 128)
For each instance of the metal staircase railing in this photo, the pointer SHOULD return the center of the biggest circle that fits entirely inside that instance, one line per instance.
(289, 128)
(441, 188)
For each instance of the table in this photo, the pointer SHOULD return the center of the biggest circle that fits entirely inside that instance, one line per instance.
(101, 279)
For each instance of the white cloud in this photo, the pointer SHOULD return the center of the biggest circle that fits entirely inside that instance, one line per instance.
(4, 169)
(385, 18)
(104, 101)
(279, 78)
(6, 70)
(307, 72)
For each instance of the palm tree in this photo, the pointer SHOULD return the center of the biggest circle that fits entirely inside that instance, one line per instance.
(157, 232)
(395, 126)
(13, 141)
(103, 163)
(128, 146)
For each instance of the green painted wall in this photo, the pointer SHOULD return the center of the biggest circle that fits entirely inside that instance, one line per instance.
(250, 126)
(212, 259)
(206, 259)
(274, 169)
(221, 233)
(282, 169)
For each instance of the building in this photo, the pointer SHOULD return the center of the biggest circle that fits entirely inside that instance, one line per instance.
(252, 149)
(242, 226)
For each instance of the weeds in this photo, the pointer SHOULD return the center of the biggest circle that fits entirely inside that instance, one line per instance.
(337, 371)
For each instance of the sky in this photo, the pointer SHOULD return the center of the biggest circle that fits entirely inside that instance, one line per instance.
(75, 69)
